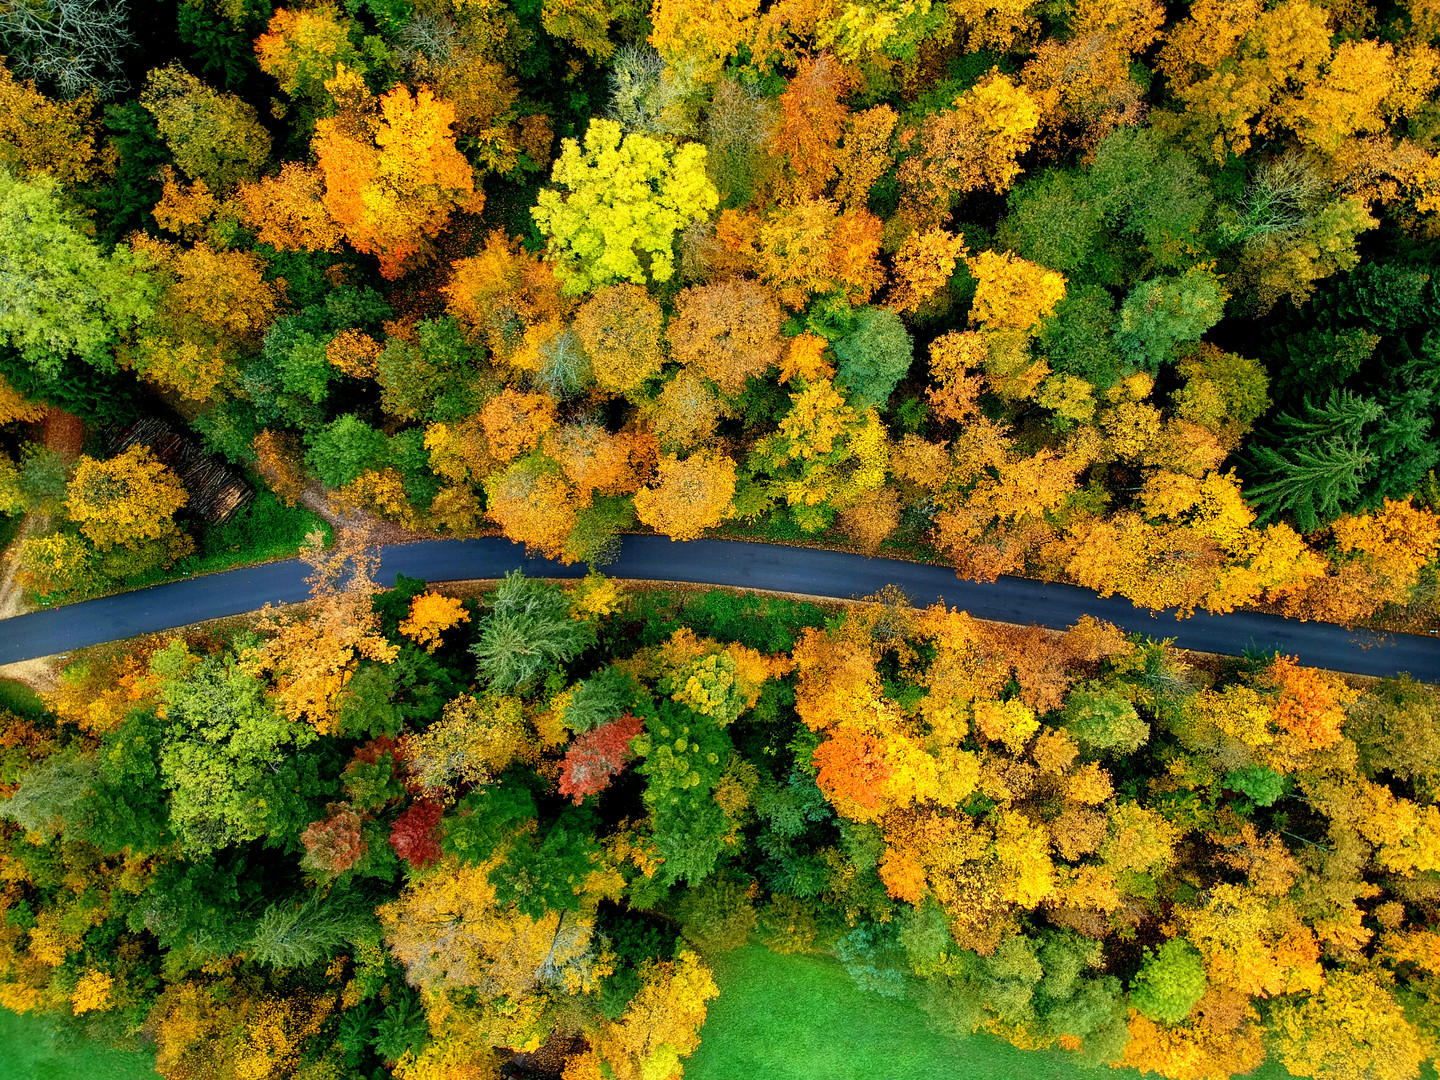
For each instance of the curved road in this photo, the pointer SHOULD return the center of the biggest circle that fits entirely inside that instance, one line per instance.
(723, 562)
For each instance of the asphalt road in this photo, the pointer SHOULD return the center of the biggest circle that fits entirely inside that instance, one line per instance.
(723, 562)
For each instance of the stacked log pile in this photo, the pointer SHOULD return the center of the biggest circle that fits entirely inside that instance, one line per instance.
(216, 490)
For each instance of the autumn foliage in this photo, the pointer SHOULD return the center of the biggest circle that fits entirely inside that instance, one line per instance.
(392, 174)
(596, 757)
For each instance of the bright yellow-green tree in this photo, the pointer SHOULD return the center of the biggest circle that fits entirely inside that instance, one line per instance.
(617, 205)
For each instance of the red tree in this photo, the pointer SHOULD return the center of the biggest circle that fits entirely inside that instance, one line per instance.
(416, 835)
(596, 757)
(333, 844)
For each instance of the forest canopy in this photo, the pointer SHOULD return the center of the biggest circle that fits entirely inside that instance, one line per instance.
(1133, 295)
(1136, 295)
(417, 834)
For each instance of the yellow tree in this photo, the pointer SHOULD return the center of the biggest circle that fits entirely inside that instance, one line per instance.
(971, 147)
(128, 499)
(625, 198)
(448, 931)
(392, 174)
(1253, 944)
(995, 24)
(1395, 542)
(215, 307)
(13, 406)
(214, 137)
(593, 459)
(515, 422)
(864, 154)
(1082, 82)
(507, 298)
(1242, 68)
(689, 496)
(728, 332)
(287, 211)
(811, 247)
(812, 119)
(697, 37)
(956, 359)
(923, 267)
(661, 1024)
(279, 459)
(533, 505)
(430, 615)
(620, 329)
(301, 49)
(38, 134)
(686, 411)
(1351, 1029)
(474, 741)
(1012, 293)
(311, 656)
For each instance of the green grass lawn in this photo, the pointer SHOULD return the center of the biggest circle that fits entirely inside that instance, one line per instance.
(801, 1017)
(31, 1050)
(20, 700)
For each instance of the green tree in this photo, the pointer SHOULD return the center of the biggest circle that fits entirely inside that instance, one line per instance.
(483, 820)
(1164, 312)
(1153, 192)
(1314, 463)
(1170, 982)
(429, 378)
(1260, 785)
(685, 754)
(51, 794)
(223, 750)
(527, 629)
(126, 809)
(303, 366)
(873, 357)
(624, 202)
(215, 138)
(1072, 1002)
(1077, 337)
(301, 934)
(717, 916)
(344, 449)
(546, 871)
(1396, 728)
(1056, 221)
(58, 293)
(368, 705)
(599, 699)
(1104, 720)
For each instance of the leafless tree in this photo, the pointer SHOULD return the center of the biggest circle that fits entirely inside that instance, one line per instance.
(70, 45)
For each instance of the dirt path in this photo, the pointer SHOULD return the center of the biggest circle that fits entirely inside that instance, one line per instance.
(63, 433)
(313, 498)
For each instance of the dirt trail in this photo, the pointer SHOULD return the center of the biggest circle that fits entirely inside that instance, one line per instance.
(313, 498)
(63, 433)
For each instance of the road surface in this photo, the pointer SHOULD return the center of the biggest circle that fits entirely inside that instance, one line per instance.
(723, 562)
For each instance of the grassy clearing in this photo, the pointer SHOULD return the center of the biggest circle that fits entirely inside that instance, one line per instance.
(19, 699)
(801, 1018)
(33, 1048)
(266, 529)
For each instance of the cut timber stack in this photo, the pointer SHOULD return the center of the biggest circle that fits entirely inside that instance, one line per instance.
(216, 490)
